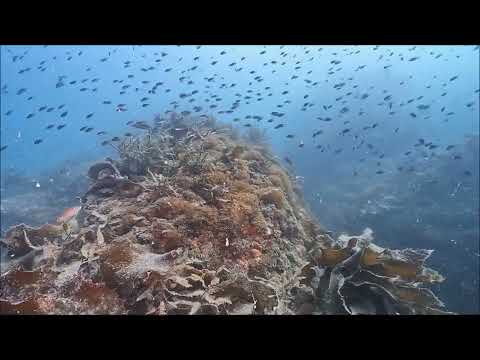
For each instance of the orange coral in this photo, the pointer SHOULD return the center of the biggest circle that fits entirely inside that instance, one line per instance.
(250, 230)
(94, 293)
(252, 155)
(281, 179)
(273, 196)
(217, 177)
(242, 186)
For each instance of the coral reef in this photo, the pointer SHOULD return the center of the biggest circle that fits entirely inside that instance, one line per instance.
(193, 220)
(356, 276)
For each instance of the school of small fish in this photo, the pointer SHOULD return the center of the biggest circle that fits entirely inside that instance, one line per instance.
(316, 68)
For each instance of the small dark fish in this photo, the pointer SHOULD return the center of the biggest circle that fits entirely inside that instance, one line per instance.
(413, 115)
(61, 126)
(106, 142)
(49, 126)
(89, 129)
(3, 147)
(290, 136)
(42, 108)
(468, 173)
(64, 114)
(141, 125)
(38, 141)
(50, 109)
(127, 134)
(287, 159)
(83, 128)
(454, 78)
(145, 105)
(379, 172)
(457, 157)
(21, 91)
(116, 138)
(89, 115)
(101, 133)
(30, 115)
(278, 126)
(422, 107)
(450, 147)
(107, 102)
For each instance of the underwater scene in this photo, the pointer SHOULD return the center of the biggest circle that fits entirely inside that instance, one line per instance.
(243, 179)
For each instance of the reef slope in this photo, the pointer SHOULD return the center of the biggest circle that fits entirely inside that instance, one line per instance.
(193, 219)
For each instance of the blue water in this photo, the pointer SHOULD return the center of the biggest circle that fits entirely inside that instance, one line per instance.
(425, 77)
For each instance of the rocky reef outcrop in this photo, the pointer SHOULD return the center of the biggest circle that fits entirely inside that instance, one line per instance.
(193, 219)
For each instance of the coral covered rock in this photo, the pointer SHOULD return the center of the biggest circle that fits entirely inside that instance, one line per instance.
(199, 222)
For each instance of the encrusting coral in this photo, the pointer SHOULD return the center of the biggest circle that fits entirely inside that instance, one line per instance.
(194, 220)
